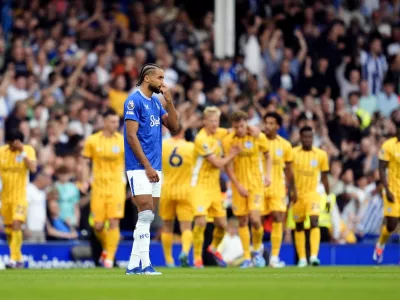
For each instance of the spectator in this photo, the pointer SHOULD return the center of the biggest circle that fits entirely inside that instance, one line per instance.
(355, 109)
(68, 197)
(117, 95)
(231, 247)
(368, 102)
(283, 78)
(347, 86)
(18, 90)
(56, 227)
(387, 100)
(374, 65)
(81, 126)
(36, 213)
(18, 116)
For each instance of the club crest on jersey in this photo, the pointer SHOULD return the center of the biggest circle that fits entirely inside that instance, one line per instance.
(115, 149)
(279, 152)
(206, 148)
(314, 163)
(248, 145)
(131, 105)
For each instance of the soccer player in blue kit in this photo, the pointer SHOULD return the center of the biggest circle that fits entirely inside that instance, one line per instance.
(143, 116)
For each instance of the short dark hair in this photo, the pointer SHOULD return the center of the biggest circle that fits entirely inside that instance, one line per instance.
(62, 170)
(354, 93)
(146, 69)
(109, 112)
(13, 135)
(305, 129)
(275, 115)
(239, 116)
(175, 133)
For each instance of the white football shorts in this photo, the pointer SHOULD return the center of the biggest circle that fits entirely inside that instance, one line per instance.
(140, 184)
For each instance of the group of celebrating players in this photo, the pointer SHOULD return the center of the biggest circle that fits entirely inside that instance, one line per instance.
(263, 168)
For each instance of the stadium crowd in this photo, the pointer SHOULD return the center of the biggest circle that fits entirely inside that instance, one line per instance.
(333, 65)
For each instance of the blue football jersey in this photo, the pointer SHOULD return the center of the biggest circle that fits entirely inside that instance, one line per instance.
(148, 113)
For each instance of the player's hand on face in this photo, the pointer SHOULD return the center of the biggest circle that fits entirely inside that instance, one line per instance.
(152, 174)
(166, 93)
(242, 191)
(389, 196)
(18, 145)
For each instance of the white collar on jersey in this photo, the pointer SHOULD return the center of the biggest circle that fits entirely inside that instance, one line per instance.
(144, 96)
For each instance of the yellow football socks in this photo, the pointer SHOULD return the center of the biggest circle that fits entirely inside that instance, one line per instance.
(218, 235)
(16, 245)
(276, 238)
(315, 239)
(300, 241)
(257, 236)
(385, 234)
(187, 239)
(198, 240)
(102, 237)
(112, 241)
(244, 234)
(167, 241)
(8, 232)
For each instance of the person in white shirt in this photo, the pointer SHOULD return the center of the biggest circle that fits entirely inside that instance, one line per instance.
(17, 91)
(82, 125)
(36, 214)
(231, 247)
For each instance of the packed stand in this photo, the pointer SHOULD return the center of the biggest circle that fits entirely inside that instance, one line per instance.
(334, 68)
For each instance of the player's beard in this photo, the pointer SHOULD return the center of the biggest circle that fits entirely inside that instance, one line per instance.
(154, 88)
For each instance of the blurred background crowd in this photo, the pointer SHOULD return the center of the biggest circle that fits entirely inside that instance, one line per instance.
(331, 64)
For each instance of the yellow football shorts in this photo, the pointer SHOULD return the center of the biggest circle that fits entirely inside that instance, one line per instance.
(14, 211)
(207, 202)
(108, 204)
(275, 203)
(391, 209)
(308, 204)
(241, 206)
(171, 208)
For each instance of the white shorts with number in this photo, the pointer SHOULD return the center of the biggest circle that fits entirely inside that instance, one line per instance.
(140, 184)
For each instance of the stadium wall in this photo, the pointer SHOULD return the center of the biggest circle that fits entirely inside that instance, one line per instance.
(58, 255)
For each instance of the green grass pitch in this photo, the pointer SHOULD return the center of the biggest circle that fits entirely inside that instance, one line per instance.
(322, 283)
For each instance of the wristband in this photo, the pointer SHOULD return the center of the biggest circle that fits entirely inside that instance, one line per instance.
(23, 154)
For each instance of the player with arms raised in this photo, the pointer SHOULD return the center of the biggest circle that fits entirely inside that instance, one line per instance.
(309, 164)
(106, 151)
(281, 155)
(16, 161)
(144, 114)
(248, 184)
(177, 163)
(389, 161)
